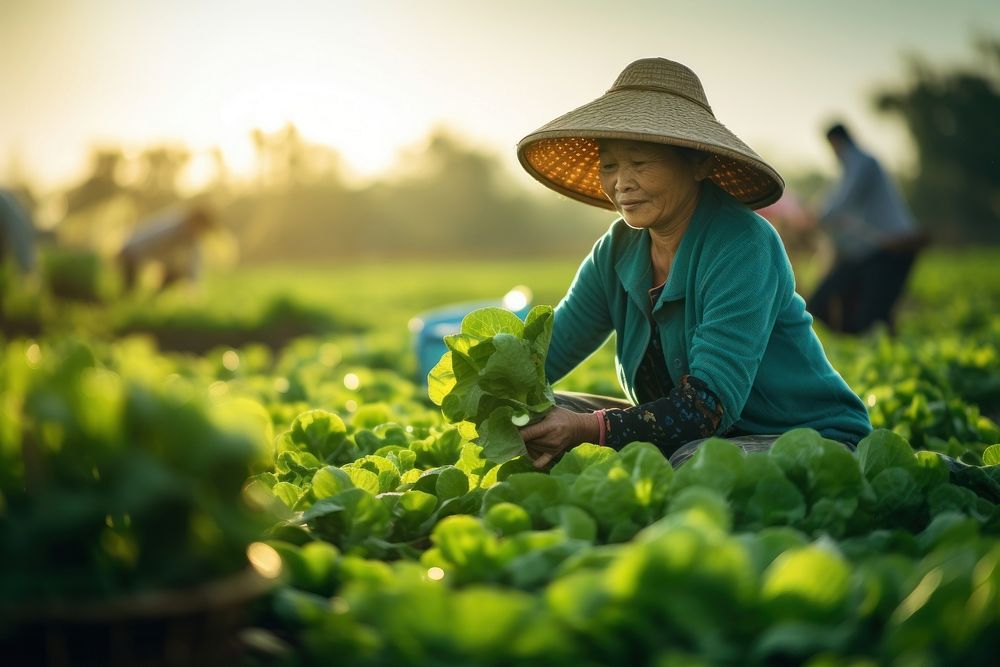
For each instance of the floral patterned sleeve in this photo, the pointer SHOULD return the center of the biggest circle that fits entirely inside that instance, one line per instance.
(689, 412)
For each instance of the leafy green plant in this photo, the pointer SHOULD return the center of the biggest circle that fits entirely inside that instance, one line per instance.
(493, 375)
(405, 539)
(112, 485)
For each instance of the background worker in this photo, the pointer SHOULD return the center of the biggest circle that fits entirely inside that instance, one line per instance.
(17, 233)
(170, 239)
(876, 241)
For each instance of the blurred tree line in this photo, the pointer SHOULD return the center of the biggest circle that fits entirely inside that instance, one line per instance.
(443, 199)
(953, 116)
(447, 198)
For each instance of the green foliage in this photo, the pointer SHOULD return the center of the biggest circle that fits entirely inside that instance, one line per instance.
(319, 433)
(113, 485)
(74, 273)
(949, 116)
(403, 543)
(493, 375)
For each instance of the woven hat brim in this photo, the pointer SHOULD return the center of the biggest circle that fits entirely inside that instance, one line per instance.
(563, 155)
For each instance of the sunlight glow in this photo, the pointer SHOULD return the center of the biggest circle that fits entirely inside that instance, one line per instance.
(231, 360)
(371, 78)
(517, 298)
(218, 388)
(264, 559)
(329, 355)
(33, 355)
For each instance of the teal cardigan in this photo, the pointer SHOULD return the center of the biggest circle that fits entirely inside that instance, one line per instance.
(728, 315)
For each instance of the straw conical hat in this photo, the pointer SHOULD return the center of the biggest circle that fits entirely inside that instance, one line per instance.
(655, 100)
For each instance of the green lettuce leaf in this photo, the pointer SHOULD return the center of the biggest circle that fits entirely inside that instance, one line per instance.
(493, 376)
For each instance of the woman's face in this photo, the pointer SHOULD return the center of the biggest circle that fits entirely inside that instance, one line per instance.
(652, 186)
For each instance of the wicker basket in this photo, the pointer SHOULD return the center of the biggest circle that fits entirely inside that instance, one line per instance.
(187, 627)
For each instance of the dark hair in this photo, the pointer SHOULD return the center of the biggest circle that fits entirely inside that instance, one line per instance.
(690, 155)
(838, 131)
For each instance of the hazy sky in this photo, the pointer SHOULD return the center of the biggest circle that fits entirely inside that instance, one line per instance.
(369, 77)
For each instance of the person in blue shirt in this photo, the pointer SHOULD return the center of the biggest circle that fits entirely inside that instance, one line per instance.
(711, 337)
(875, 238)
(17, 233)
(171, 238)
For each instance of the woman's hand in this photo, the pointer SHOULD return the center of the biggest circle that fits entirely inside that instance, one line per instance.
(558, 431)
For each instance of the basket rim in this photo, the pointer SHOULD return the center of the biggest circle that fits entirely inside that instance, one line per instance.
(224, 591)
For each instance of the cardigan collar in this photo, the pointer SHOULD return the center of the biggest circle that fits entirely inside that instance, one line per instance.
(634, 266)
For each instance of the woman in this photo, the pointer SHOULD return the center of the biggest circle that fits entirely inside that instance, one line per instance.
(711, 337)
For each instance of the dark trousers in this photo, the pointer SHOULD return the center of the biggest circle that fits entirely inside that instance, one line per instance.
(858, 293)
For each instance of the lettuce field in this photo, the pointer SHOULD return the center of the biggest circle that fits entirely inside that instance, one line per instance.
(253, 470)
